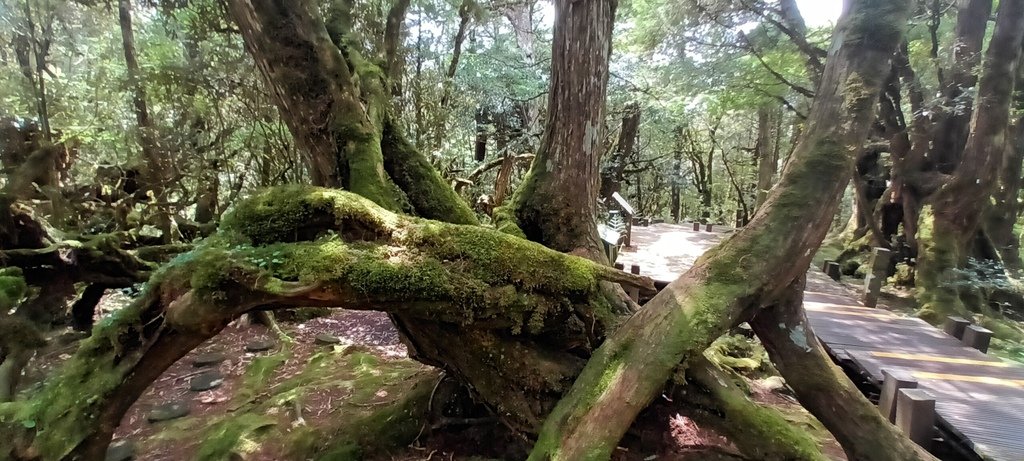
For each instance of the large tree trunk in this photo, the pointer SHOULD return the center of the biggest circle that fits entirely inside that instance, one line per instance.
(754, 267)
(570, 153)
(952, 216)
(950, 133)
(337, 106)
(1002, 216)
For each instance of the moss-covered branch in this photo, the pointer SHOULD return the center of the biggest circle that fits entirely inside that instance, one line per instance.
(300, 245)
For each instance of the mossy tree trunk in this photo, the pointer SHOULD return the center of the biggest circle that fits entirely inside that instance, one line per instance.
(556, 203)
(752, 268)
(337, 104)
(952, 216)
(510, 317)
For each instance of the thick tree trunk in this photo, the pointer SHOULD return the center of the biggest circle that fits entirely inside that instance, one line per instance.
(953, 215)
(633, 364)
(950, 133)
(1002, 216)
(570, 153)
(338, 109)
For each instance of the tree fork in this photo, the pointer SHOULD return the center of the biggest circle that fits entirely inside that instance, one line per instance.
(633, 364)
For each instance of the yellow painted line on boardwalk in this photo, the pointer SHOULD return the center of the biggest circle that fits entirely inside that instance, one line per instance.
(939, 359)
(1018, 383)
(831, 309)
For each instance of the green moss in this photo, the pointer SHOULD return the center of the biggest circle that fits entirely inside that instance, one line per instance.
(935, 276)
(739, 354)
(371, 423)
(259, 373)
(63, 412)
(12, 288)
(429, 194)
(1006, 330)
(231, 436)
(505, 221)
(292, 213)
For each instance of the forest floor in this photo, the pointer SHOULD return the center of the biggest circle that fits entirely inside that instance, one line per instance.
(283, 403)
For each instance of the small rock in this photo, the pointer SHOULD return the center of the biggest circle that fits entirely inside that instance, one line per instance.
(121, 450)
(168, 411)
(260, 345)
(208, 359)
(206, 381)
(325, 339)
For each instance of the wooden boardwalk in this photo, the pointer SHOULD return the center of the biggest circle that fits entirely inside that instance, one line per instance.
(979, 398)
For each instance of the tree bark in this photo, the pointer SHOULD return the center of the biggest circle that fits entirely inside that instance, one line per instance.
(953, 214)
(394, 58)
(570, 153)
(633, 364)
(822, 388)
(767, 153)
(951, 131)
(612, 173)
(337, 107)
(157, 167)
(1002, 216)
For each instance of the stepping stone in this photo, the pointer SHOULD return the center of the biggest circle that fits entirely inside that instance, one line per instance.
(325, 339)
(208, 359)
(260, 345)
(206, 381)
(169, 411)
(120, 450)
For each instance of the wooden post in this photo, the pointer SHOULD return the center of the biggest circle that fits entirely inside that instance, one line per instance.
(696, 227)
(629, 232)
(977, 337)
(634, 293)
(955, 326)
(879, 270)
(915, 415)
(709, 227)
(620, 266)
(833, 271)
(892, 382)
